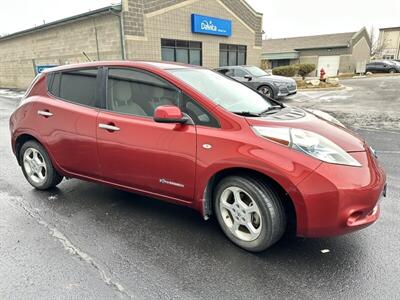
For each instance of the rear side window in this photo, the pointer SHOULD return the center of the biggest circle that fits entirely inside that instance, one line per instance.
(77, 86)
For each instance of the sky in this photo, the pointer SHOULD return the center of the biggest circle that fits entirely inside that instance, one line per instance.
(282, 18)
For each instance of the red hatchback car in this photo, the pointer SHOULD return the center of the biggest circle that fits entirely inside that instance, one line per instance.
(194, 137)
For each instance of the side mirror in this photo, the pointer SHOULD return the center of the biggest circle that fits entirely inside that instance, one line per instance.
(248, 77)
(169, 114)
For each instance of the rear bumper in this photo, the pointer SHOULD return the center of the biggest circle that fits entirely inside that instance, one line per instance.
(341, 199)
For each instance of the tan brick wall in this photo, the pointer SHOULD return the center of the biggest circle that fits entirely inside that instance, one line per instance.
(346, 64)
(176, 24)
(390, 43)
(58, 45)
(361, 53)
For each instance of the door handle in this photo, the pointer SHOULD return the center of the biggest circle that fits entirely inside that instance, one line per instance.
(44, 113)
(109, 127)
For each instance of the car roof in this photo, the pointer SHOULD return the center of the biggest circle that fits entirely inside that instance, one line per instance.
(123, 63)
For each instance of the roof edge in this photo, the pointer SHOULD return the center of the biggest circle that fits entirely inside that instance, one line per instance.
(103, 10)
(394, 27)
(359, 32)
(251, 8)
(324, 47)
(310, 36)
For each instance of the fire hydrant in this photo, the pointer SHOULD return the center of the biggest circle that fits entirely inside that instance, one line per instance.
(322, 74)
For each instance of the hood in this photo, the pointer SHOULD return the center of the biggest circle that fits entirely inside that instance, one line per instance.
(276, 78)
(297, 118)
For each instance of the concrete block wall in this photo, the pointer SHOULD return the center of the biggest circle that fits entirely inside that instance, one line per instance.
(174, 22)
(57, 45)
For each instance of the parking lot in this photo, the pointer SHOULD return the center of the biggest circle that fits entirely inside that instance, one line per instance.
(84, 240)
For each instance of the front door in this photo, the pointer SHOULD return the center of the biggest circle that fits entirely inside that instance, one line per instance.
(134, 150)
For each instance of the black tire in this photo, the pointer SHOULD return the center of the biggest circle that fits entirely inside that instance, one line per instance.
(392, 71)
(266, 91)
(53, 178)
(269, 204)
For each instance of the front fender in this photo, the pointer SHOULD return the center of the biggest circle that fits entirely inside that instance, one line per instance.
(287, 173)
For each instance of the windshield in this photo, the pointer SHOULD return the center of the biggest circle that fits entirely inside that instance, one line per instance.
(256, 72)
(228, 93)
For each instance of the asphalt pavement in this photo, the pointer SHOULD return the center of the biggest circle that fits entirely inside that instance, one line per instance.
(83, 240)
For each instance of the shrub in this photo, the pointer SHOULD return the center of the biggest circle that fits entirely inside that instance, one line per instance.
(287, 71)
(304, 69)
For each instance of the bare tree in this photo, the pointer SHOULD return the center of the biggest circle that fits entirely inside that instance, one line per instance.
(378, 43)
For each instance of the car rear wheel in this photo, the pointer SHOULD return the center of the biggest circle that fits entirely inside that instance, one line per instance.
(249, 212)
(392, 71)
(37, 167)
(266, 91)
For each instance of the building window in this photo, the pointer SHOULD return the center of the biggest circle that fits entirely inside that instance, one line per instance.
(188, 52)
(232, 55)
(388, 57)
(279, 63)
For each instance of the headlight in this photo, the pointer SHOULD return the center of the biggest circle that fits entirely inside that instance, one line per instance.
(325, 116)
(280, 84)
(309, 143)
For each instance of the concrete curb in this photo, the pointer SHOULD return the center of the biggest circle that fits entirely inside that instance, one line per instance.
(337, 88)
(370, 76)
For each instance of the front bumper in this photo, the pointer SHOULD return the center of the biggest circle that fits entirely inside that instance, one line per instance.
(287, 90)
(340, 199)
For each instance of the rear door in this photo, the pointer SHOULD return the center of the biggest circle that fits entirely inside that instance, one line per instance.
(134, 150)
(67, 120)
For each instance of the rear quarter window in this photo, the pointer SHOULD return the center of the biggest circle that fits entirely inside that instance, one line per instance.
(77, 86)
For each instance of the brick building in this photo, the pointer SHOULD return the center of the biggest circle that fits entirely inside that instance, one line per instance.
(211, 33)
(389, 43)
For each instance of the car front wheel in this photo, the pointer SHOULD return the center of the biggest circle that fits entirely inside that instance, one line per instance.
(37, 167)
(266, 91)
(249, 212)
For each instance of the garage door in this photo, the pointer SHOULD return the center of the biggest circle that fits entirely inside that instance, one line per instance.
(330, 64)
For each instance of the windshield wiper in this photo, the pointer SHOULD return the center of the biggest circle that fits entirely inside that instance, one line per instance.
(246, 113)
(271, 108)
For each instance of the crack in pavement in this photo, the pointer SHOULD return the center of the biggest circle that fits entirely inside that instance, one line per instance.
(68, 245)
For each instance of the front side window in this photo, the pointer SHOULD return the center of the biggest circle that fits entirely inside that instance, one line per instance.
(240, 72)
(188, 52)
(228, 93)
(77, 86)
(138, 92)
(232, 55)
(256, 72)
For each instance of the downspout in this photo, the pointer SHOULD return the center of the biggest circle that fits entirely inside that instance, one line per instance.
(97, 39)
(398, 48)
(121, 33)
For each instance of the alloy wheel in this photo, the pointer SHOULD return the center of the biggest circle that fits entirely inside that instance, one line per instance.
(240, 214)
(265, 91)
(35, 166)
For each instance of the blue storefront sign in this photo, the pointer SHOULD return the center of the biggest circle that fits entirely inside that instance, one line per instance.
(41, 68)
(210, 25)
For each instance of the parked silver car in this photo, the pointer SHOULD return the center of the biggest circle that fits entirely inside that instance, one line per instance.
(270, 85)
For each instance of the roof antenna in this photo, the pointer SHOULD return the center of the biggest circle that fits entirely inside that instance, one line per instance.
(87, 57)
